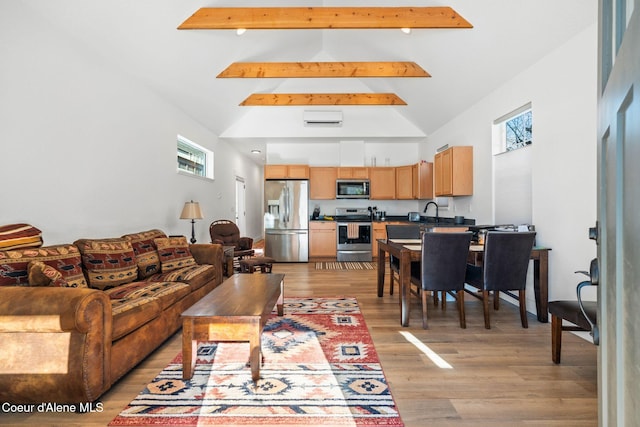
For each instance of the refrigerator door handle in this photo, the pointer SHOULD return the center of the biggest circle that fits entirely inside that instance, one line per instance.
(287, 199)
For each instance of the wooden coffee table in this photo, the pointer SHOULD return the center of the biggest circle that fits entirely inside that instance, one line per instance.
(237, 310)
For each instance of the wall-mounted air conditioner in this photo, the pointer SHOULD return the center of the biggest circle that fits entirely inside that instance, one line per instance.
(322, 118)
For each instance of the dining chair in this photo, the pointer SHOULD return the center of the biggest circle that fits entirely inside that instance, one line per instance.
(397, 231)
(504, 269)
(443, 268)
(582, 315)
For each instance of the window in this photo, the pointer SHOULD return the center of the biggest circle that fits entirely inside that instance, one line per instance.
(512, 168)
(514, 130)
(194, 159)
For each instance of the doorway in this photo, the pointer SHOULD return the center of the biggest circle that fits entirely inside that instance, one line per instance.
(240, 211)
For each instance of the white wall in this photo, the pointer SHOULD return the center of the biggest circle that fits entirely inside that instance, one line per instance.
(562, 90)
(88, 151)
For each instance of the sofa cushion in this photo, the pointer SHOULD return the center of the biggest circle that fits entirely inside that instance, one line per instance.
(108, 262)
(64, 258)
(134, 304)
(196, 275)
(174, 253)
(146, 252)
(16, 236)
(41, 274)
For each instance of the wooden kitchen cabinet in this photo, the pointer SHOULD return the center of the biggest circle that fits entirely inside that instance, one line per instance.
(322, 239)
(383, 183)
(453, 171)
(423, 180)
(356, 172)
(322, 183)
(286, 172)
(414, 181)
(404, 182)
(380, 232)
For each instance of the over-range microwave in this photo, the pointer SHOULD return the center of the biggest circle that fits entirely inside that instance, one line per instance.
(352, 189)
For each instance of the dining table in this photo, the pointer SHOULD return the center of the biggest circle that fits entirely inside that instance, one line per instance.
(408, 250)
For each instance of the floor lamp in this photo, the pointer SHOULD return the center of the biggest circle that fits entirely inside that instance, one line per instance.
(192, 211)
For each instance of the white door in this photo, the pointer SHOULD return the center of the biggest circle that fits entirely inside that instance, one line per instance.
(240, 215)
(619, 213)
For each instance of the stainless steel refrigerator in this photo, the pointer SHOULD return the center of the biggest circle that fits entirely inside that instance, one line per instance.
(286, 220)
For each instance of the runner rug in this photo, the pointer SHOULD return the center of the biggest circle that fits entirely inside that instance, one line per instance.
(345, 265)
(319, 368)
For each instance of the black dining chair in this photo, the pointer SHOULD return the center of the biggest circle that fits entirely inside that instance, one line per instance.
(397, 231)
(442, 268)
(504, 269)
(582, 315)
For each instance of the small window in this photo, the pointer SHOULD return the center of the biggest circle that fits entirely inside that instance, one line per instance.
(194, 159)
(514, 130)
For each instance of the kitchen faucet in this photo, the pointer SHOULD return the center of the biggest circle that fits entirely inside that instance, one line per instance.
(427, 206)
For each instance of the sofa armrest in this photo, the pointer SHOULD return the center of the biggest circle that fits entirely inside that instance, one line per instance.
(55, 344)
(209, 253)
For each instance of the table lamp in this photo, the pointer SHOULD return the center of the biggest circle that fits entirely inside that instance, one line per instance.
(192, 211)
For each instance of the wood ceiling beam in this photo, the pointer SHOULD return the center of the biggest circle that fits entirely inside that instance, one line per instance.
(296, 99)
(322, 70)
(220, 18)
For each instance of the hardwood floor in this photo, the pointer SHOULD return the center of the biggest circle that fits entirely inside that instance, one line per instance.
(498, 377)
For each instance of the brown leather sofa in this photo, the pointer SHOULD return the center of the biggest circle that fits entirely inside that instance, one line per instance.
(75, 318)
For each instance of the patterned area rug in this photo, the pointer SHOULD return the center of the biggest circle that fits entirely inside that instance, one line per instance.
(319, 368)
(357, 265)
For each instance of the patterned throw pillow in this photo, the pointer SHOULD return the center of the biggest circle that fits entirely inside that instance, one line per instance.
(41, 274)
(64, 258)
(108, 262)
(16, 236)
(174, 253)
(145, 250)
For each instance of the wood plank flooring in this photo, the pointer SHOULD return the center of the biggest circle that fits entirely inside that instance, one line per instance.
(498, 377)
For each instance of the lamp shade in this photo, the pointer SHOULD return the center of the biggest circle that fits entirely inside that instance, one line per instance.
(191, 210)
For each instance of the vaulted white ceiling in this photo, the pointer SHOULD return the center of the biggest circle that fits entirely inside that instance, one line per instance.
(141, 38)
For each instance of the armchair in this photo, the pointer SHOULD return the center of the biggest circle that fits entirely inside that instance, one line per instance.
(227, 233)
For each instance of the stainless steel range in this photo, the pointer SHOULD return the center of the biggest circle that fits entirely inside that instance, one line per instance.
(354, 234)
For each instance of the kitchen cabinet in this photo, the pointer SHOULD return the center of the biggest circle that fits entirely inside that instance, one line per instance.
(322, 239)
(404, 182)
(286, 172)
(423, 180)
(380, 232)
(383, 183)
(414, 181)
(454, 171)
(345, 172)
(322, 183)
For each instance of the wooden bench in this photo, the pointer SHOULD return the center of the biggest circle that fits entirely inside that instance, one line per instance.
(237, 310)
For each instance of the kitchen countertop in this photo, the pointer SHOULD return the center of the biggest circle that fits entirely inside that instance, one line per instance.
(424, 220)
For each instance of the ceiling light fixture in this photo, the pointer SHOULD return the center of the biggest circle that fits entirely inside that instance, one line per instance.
(406, 30)
(255, 151)
(241, 31)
